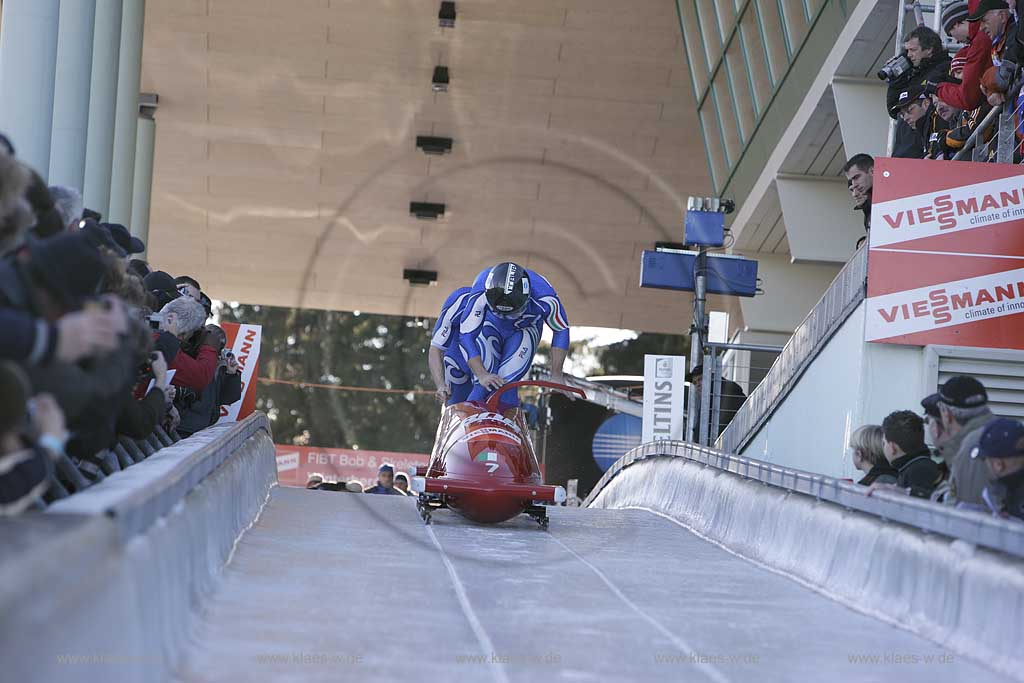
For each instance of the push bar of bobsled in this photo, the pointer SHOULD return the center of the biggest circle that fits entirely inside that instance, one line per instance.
(548, 494)
(493, 403)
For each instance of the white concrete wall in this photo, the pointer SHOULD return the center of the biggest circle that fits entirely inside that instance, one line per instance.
(849, 384)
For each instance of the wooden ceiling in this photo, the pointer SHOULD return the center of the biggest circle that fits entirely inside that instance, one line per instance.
(286, 155)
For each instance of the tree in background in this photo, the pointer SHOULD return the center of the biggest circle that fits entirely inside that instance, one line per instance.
(346, 350)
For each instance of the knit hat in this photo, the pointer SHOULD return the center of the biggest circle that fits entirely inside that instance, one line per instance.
(953, 14)
(68, 266)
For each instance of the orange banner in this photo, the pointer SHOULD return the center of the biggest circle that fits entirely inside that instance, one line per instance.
(244, 341)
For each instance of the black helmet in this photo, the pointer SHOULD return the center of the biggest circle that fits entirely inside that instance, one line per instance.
(508, 289)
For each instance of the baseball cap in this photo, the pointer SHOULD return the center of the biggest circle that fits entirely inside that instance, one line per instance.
(913, 93)
(963, 392)
(1002, 438)
(931, 405)
(986, 6)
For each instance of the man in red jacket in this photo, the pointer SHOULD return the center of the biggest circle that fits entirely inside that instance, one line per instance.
(977, 57)
(179, 320)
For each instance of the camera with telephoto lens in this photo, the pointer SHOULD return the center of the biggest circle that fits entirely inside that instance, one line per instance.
(895, 67)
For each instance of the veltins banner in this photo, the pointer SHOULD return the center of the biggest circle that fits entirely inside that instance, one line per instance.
(946, 264)
(664, 387)
(244, 342)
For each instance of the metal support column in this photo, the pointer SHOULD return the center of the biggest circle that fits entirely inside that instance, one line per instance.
(126, 116)
(99, 150)
(71, 94)
(28, 61)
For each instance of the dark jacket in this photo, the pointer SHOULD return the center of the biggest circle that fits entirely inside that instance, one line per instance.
(24, 476)
(224, 390)
(138, 419)
(190, 372)
(1006, 495)
(883, 473)
(918, 472)
(732, 400)
(27, 337)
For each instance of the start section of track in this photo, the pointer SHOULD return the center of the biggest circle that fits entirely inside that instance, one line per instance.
(329, 586)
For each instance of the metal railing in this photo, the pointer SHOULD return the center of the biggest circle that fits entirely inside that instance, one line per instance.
(843, 296)
(974, 527)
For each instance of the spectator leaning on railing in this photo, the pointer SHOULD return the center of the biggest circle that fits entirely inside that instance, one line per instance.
(860, 179)
(963, 405)
(868, 448)
(29, 441)
(225, 389)
(179, 320)
(906, 451)
(1001, 448)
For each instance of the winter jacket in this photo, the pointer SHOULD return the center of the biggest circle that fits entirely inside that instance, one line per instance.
(969, 476)
(27, 338)
(918, 472)
(24, 476)
(967, 93)
(190, 373)
(882, 473)
(224, 390)
(1005, 495)
(391, 491)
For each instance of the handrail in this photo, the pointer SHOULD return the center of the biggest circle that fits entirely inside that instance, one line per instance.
(495, 400)
(974, 527)
(134, 509)
(979, 130)
(599, 394)
(832, 310)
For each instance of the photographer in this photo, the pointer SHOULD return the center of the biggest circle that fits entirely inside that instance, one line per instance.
(923, 59)
(199, 412)
(178, 321)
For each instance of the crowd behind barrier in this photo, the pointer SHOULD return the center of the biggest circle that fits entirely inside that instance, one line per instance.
(103, 361)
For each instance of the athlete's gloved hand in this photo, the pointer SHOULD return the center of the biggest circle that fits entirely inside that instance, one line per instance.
(490, 381)
(442, 395)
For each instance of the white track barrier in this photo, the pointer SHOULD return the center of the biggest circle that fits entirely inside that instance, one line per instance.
(969, 599)
(103, 586)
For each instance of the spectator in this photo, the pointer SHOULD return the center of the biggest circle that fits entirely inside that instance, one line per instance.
(905, 449)
(1001, 447)
(48, 221)
(225, 389)
(929, 62)
(954, 22)
(995, 21)
(25, 468)
(949, 137)
(385, 482)
(869, 456)
(860, 179)
(402, 483)
(314, 481)
(914, 106)
(935, 436)
(68, 202)
(15, 213)
(128, 244)
(41, 294)
(188, 286)
(730, 403)
(179, 319)
(964, 411)
(161, 289)
(355, 486)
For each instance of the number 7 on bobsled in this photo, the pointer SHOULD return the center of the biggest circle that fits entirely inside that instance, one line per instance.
(483, 465)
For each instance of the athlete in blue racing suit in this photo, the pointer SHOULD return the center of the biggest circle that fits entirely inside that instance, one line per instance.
(502, 323)
(448, 367)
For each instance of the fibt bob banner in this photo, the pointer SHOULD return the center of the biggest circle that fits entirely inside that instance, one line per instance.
(296, 463)
(244, 342)
(946, 264)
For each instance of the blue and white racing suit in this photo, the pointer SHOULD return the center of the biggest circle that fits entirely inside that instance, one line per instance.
(446, 333)
(506, 346)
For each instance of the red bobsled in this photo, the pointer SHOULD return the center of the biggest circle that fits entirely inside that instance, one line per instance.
(483, 465)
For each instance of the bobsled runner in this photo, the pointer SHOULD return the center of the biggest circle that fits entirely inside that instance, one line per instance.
(483, 465)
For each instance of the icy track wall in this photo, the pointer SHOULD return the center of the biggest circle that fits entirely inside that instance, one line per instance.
(109, 592)
(966, 598)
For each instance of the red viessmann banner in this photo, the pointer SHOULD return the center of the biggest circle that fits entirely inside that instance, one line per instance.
(244, 341)
(946, 264)
(296, 463)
